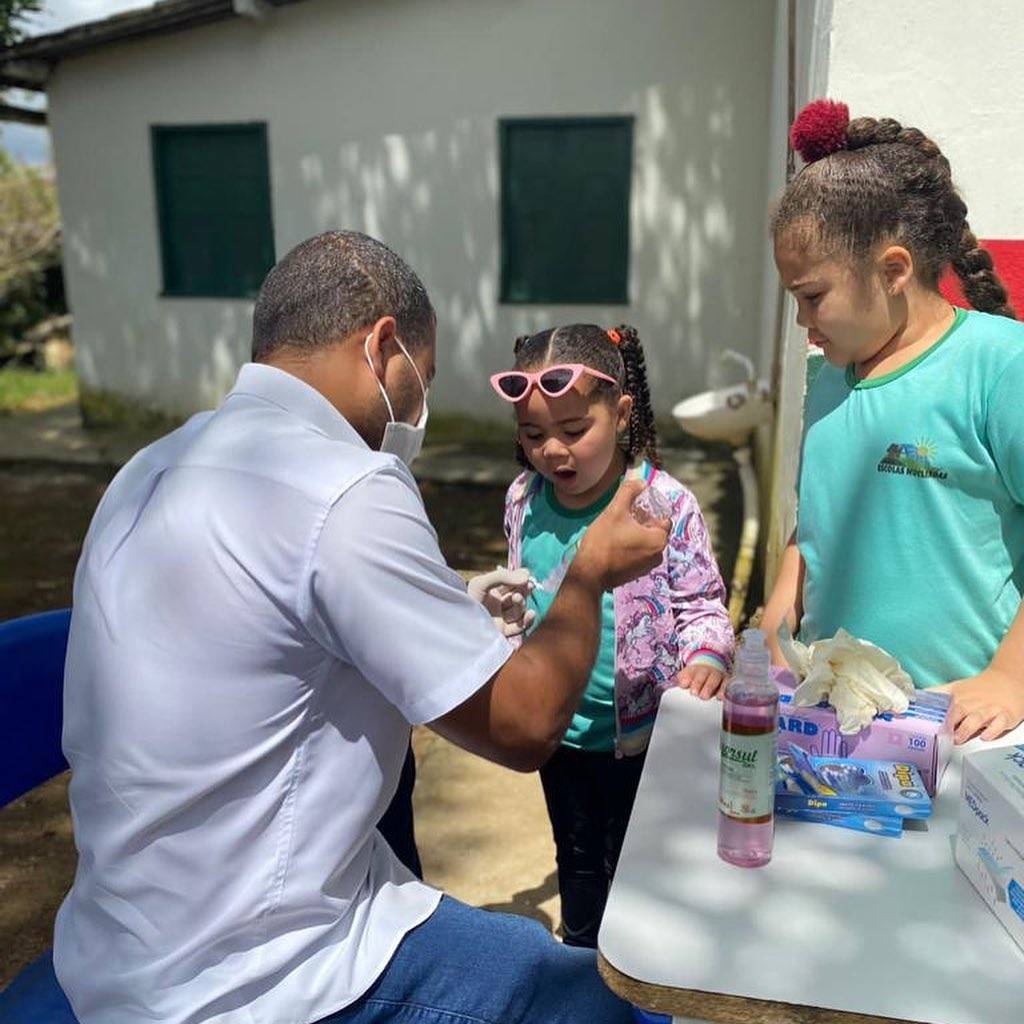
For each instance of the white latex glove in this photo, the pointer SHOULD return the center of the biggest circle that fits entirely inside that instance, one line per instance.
(853, 711)
(503, 593)
(858, 678)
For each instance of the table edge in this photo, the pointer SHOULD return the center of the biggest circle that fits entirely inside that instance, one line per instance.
(721, 1008)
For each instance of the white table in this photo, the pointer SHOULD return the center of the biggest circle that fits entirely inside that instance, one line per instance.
(841, 926)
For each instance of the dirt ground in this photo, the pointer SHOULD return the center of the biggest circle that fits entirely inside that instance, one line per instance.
(482, 830)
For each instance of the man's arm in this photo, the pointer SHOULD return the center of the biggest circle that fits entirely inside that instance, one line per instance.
(519, 716)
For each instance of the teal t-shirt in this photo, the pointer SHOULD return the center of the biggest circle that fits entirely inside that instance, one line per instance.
(911, 515)
(551, 534)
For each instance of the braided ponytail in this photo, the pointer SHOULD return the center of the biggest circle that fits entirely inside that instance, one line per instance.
(643, 433)
(875, 181)
(870, 131)
(982, 285)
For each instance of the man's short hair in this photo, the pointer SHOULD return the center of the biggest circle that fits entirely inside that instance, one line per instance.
(332, 285)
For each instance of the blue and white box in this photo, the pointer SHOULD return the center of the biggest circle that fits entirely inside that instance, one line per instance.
(990, 835)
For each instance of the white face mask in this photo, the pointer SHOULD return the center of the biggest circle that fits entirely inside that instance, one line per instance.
(402, 439)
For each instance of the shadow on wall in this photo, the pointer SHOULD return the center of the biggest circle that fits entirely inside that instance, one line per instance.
(696, 239)
(425, 180)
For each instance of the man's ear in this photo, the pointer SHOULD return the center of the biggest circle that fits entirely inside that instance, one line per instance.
(897, 269)
(380, 343)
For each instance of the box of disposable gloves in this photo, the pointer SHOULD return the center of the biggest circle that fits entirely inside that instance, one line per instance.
(851, 698)
(922, 735)
(990, 833)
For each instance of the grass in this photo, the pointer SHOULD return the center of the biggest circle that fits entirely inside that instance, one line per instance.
(107, 409)
(24, 390)
(470, 433)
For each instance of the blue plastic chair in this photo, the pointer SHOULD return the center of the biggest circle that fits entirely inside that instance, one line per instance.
(32, 652)
(647, 1017)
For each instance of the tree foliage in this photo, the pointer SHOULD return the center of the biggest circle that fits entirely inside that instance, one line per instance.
(30, 279)
(12, 18)
(29, 219)
(29, 249)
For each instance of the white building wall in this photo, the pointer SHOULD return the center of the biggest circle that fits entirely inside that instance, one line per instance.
(954, 70)
(382, 116)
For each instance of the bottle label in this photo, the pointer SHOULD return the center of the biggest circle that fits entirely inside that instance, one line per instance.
(747, 788)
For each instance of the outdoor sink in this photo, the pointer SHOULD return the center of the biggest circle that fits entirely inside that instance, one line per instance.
(728, 414)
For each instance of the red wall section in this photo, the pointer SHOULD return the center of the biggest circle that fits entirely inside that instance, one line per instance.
(1008, 256)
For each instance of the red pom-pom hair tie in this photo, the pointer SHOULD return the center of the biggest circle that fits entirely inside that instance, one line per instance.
(820, 129)
(613, 336)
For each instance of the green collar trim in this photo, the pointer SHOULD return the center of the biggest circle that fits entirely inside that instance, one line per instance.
(580, 513)
(876, 382)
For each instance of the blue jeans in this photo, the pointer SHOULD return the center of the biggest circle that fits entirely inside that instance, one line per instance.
(461, 966)
(469, 966)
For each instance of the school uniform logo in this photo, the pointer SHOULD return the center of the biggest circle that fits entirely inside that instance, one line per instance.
(912, 460)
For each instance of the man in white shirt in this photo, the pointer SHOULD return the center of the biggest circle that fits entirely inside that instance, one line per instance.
(261, 611)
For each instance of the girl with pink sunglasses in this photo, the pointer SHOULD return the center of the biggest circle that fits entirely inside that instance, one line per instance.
(584, 420)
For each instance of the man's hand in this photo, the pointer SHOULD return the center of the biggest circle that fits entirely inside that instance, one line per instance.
(703, 681)
(503, 593)
(616, 548)
(986, 705)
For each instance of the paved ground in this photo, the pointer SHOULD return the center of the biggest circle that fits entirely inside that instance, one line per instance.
(482, 830)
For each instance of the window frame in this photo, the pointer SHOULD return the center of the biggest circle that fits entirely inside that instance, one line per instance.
(508, 124)
(157, 132)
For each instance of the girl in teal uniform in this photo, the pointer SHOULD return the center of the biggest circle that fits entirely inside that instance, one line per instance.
(910, 529)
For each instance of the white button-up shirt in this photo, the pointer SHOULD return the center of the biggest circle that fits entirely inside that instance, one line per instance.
(260, 611)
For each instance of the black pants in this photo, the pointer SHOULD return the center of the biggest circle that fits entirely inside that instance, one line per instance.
(589, 797)
(397, 825)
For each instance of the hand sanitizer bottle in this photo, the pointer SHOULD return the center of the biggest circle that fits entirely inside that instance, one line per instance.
(746, 794)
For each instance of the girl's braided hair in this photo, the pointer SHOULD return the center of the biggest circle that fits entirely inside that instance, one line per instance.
(623, 359)
(870, 181)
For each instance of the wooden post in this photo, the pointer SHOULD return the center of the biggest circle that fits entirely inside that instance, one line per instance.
(808, 28)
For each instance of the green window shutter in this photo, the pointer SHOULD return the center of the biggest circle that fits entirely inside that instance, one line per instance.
(565, 185)
(213, 206)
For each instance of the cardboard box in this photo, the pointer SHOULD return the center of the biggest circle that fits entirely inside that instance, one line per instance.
(990, 833)
(848, 785)
(874, 824)
(923, 736)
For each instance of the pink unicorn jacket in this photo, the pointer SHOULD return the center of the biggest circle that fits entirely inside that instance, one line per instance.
(672, 617)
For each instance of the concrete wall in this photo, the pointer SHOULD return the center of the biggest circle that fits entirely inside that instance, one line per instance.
(954, 70)
(382, 116)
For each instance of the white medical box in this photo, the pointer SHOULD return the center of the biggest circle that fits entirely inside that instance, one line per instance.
(990, 832)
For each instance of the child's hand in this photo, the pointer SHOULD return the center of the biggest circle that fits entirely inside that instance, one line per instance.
(986, 705)
(503, 593)
(704, 681)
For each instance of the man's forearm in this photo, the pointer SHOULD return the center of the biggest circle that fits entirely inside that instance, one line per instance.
(520, 716)
(553, 667)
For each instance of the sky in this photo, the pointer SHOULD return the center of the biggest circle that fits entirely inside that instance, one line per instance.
(28, 144)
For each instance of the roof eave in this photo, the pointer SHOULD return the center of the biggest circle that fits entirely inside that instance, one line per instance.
(42, 52)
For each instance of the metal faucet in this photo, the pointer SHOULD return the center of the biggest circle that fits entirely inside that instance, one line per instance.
(732, 356)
